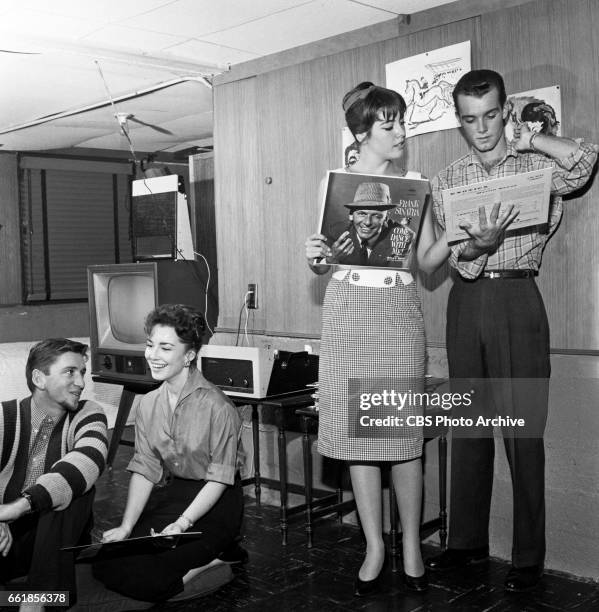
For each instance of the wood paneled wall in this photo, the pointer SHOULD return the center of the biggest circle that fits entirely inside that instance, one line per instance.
(240, 226)
(203, 221)
(278, 132)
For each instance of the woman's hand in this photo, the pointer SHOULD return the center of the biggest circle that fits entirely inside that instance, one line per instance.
(116, 534)
(171, 530)
(317, 248)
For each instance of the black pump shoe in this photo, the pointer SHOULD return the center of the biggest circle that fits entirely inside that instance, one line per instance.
(362, 588)
(234, 555)
(416, 583)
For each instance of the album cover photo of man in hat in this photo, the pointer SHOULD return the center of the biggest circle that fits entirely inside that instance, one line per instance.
(369, 228)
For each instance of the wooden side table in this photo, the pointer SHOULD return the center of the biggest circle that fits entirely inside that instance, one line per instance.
(283, 408)
(319, 502)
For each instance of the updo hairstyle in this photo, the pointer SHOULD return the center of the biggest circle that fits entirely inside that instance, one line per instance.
(189, 324)
(366, 103)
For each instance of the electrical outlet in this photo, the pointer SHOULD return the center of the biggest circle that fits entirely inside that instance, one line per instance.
(252, 299)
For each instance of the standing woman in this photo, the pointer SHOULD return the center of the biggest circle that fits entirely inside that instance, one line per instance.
(373, 327)
(190, 428)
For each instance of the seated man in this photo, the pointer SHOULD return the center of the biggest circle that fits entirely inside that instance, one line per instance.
(52, 450)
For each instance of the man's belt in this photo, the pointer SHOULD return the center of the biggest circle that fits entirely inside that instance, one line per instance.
(509, 273)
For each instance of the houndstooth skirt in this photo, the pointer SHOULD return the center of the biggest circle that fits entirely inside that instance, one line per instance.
(368, 332)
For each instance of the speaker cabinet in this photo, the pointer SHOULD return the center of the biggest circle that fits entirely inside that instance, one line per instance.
(154, 225)
(160, 220)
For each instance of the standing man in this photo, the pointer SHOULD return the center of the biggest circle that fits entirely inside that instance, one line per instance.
(497, 326)
(53, 448)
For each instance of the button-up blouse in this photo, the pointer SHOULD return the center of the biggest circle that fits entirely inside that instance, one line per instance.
(198, 440)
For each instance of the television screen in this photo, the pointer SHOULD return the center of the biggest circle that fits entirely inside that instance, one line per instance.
(123, 298)
(130, 299)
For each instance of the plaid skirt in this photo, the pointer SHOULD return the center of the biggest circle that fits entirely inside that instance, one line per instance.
(368, 332)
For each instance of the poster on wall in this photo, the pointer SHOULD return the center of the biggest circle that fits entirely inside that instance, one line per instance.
(372, 220)
(426, 81)
(349, 148)
(541, 109)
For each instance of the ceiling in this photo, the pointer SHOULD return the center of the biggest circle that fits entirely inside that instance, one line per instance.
(135, 74)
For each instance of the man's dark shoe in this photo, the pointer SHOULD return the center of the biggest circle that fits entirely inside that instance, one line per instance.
(234, 555)
(523, 578)
(454, 558)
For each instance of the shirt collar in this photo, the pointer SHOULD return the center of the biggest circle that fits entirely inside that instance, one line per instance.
(38, 415)
(195, 380)
(473, 159)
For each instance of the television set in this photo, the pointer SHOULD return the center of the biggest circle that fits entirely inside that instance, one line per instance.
(120, 297)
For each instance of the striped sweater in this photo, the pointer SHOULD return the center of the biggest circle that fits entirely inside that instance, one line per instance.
(75, 458)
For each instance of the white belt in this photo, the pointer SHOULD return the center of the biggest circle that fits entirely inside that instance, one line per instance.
(368, 277)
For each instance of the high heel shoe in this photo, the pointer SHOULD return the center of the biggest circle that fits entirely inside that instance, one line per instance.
(416, 583)
(366, 587)
(362, 588)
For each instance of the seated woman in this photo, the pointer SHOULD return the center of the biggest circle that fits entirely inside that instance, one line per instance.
(187, 427)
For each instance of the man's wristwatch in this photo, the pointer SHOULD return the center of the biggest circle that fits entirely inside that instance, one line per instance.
(26, 496)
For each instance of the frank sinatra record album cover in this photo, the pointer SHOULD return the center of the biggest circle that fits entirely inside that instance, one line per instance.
(372, 220)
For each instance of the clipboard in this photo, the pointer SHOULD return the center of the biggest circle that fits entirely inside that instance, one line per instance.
(138, 545)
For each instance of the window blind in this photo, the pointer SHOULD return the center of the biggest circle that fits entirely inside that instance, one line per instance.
(73, 215)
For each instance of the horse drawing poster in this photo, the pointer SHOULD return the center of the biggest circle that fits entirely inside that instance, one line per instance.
(426, 81)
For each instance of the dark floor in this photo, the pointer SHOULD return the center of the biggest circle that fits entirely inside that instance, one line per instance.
(297, 578)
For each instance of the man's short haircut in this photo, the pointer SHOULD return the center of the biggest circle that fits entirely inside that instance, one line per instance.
(45, 353)
(477, 83)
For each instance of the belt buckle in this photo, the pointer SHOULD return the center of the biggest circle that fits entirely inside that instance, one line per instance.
(494, 274)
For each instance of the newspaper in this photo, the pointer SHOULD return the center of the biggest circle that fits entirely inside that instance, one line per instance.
(529, 192)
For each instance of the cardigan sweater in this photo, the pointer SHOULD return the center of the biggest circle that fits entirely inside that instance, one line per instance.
(75, 458)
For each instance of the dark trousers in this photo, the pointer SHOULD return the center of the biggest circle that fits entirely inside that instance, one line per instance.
(157, 575)
(497, 329)
(37, 540)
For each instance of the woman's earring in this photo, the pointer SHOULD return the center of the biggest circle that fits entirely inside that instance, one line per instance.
(187, 363)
